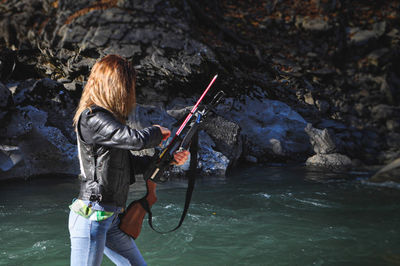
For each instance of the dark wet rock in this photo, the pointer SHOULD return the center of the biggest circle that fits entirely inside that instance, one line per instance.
(332, 124)
(332, 63)
(393, 125)
(146, 6)
(393, 140)
(378, 58)
(160, 44)
(227, 137)
(10, 156)
(383, 112)
(30, 148)
(211, 162)
(271, 128)
(370, 138)
(362, 37)
(51, 97)
(5, 101)
(251, 159)
(316, 24)
(7, 64)
(323, 106)
(40, 138)
(18, 125)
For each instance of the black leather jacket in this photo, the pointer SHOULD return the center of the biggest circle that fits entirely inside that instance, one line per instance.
(107, 165)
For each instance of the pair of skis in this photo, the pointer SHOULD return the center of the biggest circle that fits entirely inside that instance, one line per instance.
(132, 219)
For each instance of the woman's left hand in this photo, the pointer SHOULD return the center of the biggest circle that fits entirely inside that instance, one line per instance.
(180, 157)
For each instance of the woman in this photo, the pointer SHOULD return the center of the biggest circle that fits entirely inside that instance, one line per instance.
(107, 166)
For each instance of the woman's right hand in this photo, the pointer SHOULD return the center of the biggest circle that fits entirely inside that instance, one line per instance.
(165, 132)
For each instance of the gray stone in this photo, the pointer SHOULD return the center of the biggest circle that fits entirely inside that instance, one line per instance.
(115, 15)
(376, 57)
(362, 37)
(101, 36)
(308, 98)
(144, 35)
(70, 86)
(179, 111)
(71, 36)
(316, 24)
(333, 160)
(19, 124)
(125, 50)
(321, 140)
(174, 41)
(143, 5)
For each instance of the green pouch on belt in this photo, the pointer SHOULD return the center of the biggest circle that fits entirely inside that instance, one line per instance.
(86, 211)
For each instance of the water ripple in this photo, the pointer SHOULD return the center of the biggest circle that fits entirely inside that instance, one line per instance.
(264, 195)
(314, 202)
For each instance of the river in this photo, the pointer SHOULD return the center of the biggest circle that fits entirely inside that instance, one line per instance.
(274, 215)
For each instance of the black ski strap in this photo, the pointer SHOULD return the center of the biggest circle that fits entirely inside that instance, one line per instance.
(189, 192)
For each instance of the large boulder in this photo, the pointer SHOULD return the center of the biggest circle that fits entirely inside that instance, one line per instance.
(227, 137)
(211, 162)
(73, 34)
(49, 96)
(31, 148)
(271, 128)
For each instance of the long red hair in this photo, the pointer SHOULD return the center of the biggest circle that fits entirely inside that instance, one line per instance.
(111, 85)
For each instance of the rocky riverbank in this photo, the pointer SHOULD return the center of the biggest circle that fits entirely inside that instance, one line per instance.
(301, 77)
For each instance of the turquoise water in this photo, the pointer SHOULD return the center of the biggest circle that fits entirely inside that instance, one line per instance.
(259, 216)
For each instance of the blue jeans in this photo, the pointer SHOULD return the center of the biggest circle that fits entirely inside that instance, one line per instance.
(91, 239)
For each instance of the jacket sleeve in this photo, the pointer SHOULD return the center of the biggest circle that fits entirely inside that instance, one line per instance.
(100, 127)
